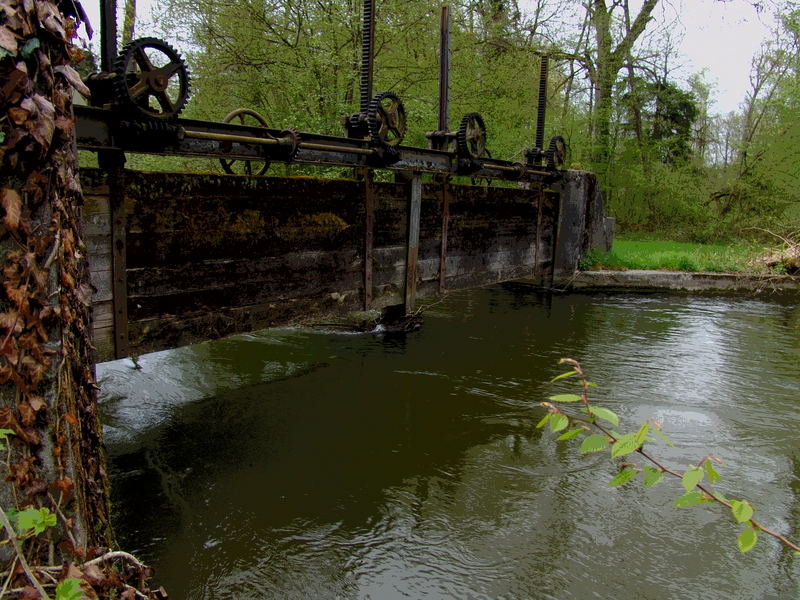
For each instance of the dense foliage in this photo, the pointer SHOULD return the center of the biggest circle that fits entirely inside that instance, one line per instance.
(666, 162)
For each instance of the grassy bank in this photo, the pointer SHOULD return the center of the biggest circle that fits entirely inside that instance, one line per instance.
(676, 256)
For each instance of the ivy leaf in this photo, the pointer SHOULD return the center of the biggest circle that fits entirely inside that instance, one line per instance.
(4, 433)
(605, 414)
(747, 539)
(624, 445)
(691, 478)
(565, 398)
(652, 476)
(34, 519)
(544, 420)
(563, 376)
(558, 422)
(623, 476)
(69, 589)
(572, 433)
(690, 499)
(29, 46)
(742, 511)
(597, 442)
(711, 472)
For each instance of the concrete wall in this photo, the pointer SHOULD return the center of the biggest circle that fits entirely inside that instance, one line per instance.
(210, 255)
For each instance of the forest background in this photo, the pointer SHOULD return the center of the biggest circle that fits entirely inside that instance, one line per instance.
(668, 165)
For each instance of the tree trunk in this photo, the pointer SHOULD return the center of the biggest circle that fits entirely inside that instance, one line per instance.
(129, 24)
(48, 395)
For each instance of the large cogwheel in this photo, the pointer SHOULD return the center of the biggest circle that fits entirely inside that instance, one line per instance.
(471, 137)
(152, 79)
(386, 117)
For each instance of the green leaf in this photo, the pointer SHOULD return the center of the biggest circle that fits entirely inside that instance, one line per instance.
(558, 422)
(4, 433)
(2, 135)
(641, 435)
(29, 46)
(34, 519)
(544, 420)
(652, 476)
(597, 442)
(605, 414)
(590, 384)
(742, 511)
(721, 496)
(565, 398)
(4, 53)
(624, 445)
(572, 433)
(711, 472)
(69, 589)
(563, 376)
(623, 476)
(691, 478)
(690, 499)
(747, 539)
(663, 437)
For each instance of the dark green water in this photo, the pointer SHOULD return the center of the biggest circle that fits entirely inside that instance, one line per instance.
(306, 464)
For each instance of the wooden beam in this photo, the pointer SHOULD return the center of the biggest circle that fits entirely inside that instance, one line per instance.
(412, 246)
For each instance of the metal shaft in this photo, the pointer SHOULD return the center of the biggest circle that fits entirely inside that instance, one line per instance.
(444, 68)
(367, 52)
(543, 68)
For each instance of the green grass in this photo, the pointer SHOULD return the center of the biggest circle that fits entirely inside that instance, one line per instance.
(673, 256)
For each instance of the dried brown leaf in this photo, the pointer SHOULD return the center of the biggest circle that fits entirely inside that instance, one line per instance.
(37, 403)
(12, 204)
(18, 115)
(43, 127)
(8, 41)
(51, 19)
(29, 593)
(71, 419)
(65, 484)
(26, 414)
(74, 79)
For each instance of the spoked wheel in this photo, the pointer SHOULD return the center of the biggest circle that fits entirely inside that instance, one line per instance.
(151, 79)
(244, 116)
(386, 117)
(471, 137)
(556, 152)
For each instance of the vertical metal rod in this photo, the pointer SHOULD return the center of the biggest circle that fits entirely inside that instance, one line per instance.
(108, 34)
(445, 224)
(367, 53)
(543, 69)
(444, 68)
(369, 236)
(412, 248)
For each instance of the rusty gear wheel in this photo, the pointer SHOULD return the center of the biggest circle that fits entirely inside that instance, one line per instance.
(471, 137)
(386, 117)
(152, 79)
(244, 167)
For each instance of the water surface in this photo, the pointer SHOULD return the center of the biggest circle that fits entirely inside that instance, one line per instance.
(297, 463)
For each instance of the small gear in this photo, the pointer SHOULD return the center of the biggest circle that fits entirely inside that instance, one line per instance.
(471, 137)
(151, 79)
(386, 117)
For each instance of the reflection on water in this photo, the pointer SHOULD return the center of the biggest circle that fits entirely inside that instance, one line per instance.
(303, 464)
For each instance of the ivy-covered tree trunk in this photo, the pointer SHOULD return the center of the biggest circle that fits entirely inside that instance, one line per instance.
(48, 398)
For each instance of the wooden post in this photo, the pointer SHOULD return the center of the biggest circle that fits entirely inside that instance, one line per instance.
(445, 224)
(412, 247)
(369, 236)
(119, 278)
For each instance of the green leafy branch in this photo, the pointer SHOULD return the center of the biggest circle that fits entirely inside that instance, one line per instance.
(595, 424)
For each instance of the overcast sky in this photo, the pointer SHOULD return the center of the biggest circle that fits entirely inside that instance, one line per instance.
(718, 35)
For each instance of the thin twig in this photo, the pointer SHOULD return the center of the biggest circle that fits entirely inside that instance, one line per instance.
(113, 556)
